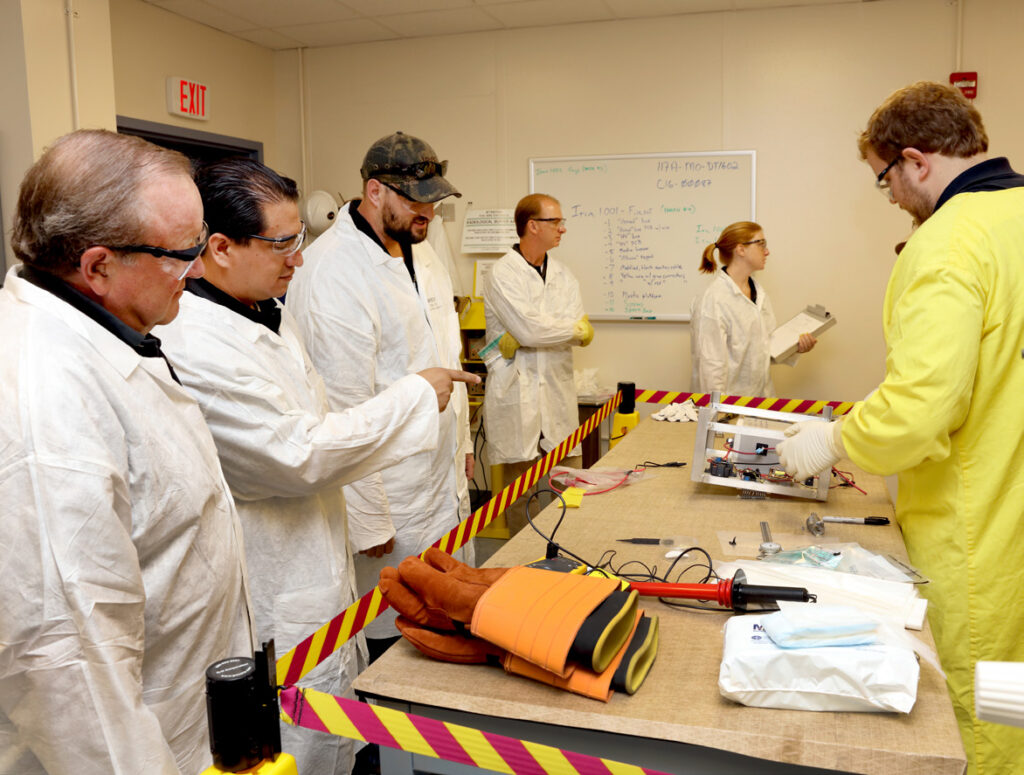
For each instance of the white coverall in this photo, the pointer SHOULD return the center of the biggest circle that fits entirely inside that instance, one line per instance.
(534, 393)
(123, 569)
(365, 327)
(730, 338)
(285, 457)
(435, 289)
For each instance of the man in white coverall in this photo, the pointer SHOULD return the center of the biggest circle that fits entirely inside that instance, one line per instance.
(434, 284)
(284, 454)
(532, 303)
(123, 575)
(365, 326)
(948, 417)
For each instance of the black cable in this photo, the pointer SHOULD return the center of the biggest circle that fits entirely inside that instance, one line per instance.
(551, 539)
(651, 574)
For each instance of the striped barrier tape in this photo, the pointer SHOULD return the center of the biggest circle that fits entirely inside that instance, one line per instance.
(755, 402)
(298, 662)
(439, 739)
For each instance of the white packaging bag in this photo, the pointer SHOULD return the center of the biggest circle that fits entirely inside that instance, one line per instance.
(756, 672)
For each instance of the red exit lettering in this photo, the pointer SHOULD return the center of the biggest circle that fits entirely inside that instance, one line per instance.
(193, 98)
(188, 98)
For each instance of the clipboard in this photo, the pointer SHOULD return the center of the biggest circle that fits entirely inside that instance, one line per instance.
(813, 320)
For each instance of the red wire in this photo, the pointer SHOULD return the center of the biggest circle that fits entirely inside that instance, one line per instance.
(848, 480)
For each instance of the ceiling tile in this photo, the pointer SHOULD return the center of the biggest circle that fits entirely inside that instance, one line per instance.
(633, 9)
(269, 39)
(204, 13)
(375, 8)
(542, 13)
(747, 5)
(450, 22)
(339, 33)
(277, 13)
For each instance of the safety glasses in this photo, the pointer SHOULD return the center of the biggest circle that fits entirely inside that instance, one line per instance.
(284, 246)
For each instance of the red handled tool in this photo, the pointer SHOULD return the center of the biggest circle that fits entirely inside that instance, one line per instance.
(732, 593)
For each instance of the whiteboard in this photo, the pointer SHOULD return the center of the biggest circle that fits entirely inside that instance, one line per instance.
(638, 223)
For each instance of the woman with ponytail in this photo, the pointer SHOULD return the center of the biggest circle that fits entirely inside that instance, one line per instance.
(731, 322)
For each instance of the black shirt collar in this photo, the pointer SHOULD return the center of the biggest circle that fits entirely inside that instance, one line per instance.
(542, 270)
(750, 284)
(267, 312)
(146, 345)
(364, 226)
(990, 175)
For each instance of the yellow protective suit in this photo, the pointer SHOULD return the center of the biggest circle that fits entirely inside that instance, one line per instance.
(949, 418)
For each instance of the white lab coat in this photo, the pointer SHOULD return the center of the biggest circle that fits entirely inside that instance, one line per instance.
(730, 338)
(365, 327)
(435, 289)
(123, 569)
(534, 393)
(285, 457)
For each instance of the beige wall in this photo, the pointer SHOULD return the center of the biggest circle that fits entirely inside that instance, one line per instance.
(151, 44)
(44, 94)
(796, 84)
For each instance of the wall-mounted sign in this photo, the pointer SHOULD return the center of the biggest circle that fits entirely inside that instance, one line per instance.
(189, 99)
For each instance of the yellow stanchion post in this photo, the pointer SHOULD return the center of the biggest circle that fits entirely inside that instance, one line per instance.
(626, 418)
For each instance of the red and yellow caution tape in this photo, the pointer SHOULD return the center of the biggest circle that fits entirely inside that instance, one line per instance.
(439, 739)
(294, 665)
(800, 406)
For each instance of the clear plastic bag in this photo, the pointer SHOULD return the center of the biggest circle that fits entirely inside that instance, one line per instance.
(593, 480)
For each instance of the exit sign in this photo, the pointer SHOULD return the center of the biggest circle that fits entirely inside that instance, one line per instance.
(189, 99)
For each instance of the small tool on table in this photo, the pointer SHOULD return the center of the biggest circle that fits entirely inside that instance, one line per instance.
(816, 524)
(654, 541)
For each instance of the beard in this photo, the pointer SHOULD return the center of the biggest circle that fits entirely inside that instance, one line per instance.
(916, 204)
(403, 226)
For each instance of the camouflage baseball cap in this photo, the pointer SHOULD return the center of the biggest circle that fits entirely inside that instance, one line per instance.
(409, 165)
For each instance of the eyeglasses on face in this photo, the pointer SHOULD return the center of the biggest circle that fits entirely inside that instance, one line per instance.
(762, 242)
(189, 255)
(558, 222)
(284, 246)
(409, 204)
(881, 183)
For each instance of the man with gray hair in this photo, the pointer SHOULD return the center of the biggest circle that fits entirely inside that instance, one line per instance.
(124, 576)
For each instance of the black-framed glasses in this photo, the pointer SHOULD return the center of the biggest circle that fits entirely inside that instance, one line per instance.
(188, 254)
(284, 246)
(419, 170)
(762, 242)
(881, 183)
(559, 222)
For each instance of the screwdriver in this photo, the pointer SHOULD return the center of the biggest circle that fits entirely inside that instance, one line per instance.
(655, 541)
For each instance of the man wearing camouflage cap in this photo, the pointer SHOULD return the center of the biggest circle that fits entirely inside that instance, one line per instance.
(365, 317)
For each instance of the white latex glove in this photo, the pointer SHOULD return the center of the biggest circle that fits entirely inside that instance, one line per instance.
(811, 448)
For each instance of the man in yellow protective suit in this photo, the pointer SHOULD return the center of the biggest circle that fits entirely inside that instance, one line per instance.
(949, 416)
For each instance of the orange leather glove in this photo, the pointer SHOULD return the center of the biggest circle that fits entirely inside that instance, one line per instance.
(539, 615)
(626, 673)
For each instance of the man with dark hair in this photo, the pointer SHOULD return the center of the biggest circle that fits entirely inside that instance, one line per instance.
(948, 417)
(284, 453)
(366, 326)
(124, 576)
(533, 306)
